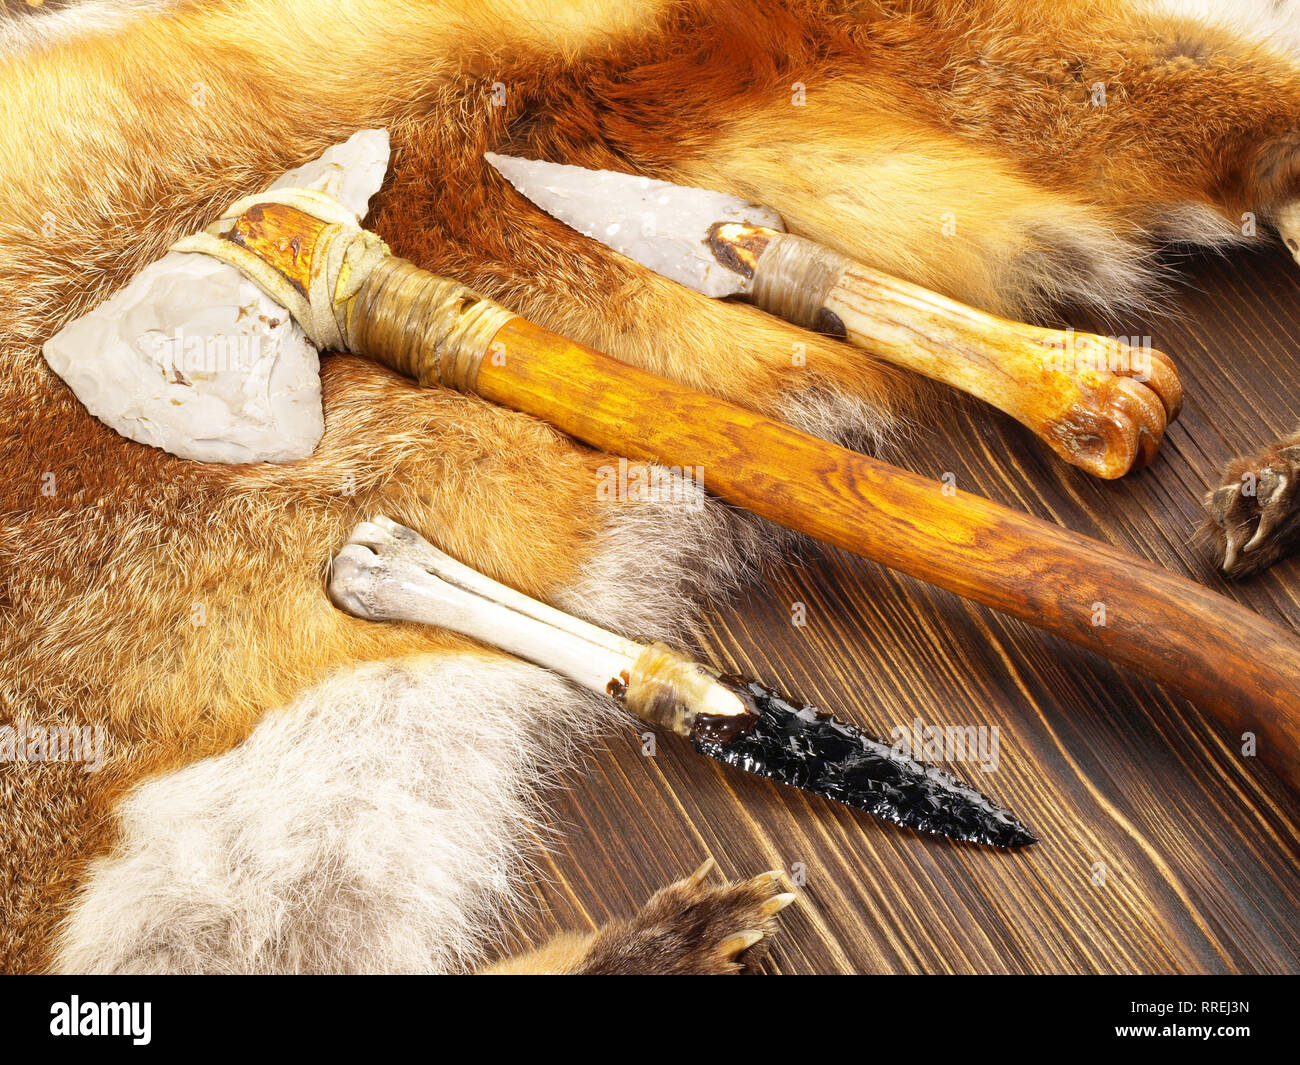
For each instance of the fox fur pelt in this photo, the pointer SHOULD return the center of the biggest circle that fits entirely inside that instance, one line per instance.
(286, 788)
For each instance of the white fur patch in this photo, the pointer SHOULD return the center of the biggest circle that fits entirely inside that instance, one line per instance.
(1077, 260)
(1201, 225)
(376, 824)
(837, 415)
(656, 561)
(1272, 22)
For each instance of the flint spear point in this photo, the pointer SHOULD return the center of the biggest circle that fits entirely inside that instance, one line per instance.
(1101, 404)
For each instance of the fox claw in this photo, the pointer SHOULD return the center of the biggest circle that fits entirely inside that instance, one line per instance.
(693, 928)
(1255, 511)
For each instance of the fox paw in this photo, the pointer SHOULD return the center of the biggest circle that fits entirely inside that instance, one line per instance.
(691, 928)
(1255, 511)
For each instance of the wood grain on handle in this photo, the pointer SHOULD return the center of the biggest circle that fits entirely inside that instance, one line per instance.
(1228, 660)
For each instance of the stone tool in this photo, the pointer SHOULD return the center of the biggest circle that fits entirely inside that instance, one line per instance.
(387, 572)
(1100, 403)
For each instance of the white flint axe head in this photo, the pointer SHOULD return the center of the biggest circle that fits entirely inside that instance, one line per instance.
(193, 358)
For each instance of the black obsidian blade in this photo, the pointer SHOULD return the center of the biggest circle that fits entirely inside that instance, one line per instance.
(808, 749)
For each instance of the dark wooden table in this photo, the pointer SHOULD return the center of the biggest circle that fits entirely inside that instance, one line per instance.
(1162, 849)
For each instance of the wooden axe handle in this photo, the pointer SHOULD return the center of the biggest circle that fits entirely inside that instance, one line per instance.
(1228, 660)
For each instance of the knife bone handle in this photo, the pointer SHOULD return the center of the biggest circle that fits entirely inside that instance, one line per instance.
(1099, 403)
(387, 572)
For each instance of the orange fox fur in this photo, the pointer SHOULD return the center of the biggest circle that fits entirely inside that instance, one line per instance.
(953, 142)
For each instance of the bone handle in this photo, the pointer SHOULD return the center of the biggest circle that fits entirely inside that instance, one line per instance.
(387, 572)
(1099, 403)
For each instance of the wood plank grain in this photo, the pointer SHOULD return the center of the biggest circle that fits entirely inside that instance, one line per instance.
(1199, 846)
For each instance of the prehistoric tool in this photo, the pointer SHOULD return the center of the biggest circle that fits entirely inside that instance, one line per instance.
(227, 378)
(387, 572)
(1100, 404)
(349, 293)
